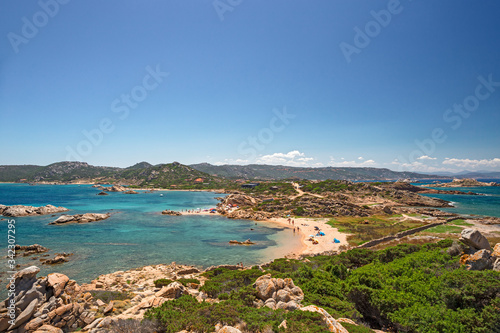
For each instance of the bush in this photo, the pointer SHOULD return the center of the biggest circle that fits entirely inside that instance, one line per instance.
(133, 326)
(162, 282)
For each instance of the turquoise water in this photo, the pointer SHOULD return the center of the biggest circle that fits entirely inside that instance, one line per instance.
(136, 234)
(485, 205)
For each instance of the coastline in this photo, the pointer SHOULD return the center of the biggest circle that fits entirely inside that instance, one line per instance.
(306, 227)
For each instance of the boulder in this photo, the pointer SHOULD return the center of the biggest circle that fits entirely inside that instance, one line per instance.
(24, 279)
(475, 239)
(108, 308)
(130, 192)
(332, 324)
(173, 291)
(48, 329)
(496, 265)
(115, 188)
(477, 261)
(57, 281)
(81, 218)
(102, 193)
(278, 293)
(25, 315)
(239, 200)
(20, 210)
(496, 251)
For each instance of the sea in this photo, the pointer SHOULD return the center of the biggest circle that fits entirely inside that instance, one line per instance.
(486, 204)
(136, 234)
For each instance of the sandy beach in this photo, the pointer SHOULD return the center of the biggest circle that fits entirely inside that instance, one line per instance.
(305, 227)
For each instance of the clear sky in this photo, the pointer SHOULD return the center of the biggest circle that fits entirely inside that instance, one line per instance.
(411, 85)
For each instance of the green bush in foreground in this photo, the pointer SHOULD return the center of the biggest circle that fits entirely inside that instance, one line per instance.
(406, 288)
(187, 313)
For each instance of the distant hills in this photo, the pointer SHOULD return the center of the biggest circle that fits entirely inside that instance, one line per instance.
(259, 171)
(141, 174)
(203, 175)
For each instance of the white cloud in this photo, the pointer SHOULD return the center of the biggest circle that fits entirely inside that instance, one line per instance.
(489, 164)
(344, 163)
(232, 161)
(292, 158)
(425, 157)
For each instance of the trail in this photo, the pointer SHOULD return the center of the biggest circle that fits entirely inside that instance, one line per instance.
(296, 186)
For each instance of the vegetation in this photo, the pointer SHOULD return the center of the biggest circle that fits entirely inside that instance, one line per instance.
(445, 229)
(462, 223)
(364, 229)
(106, 296)
(406, 288)
(271, 189)
(330, 186)
(165, 282)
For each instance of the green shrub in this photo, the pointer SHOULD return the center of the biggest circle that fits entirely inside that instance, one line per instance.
(162, 282)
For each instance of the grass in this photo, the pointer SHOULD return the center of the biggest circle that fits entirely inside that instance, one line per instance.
(445, 229)
(462, 223)
(364, 229)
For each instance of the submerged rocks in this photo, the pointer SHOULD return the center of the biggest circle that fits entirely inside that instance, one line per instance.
(171, 212)
(130, 192)
(20, 210)
(81, 218)
(246, 242)
(102, 193)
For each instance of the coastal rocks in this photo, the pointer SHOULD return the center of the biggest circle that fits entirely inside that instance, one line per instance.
(278, 293)
(173, 291)
(102, 193)
(246, 242)
(475, 239)
(81, 218)
(171, 212)
(20, 210)
(130, 192)
(58, 259)
(115, 188)
(228, 329)
(31, 249)
(44, 305)
(331, 323)
(466, 182)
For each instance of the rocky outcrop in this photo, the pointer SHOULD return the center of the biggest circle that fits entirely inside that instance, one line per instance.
(80, 218)
(475, 239)
(59, 258)
(48, 304)
(115, 188)
(30, 249)
(278, 293)
(466, 182)
(480, 255)
(20, 210)
(173, 291)
(240, 200)
(130, 192)
(171, 212)
(331, 323)
(102, 193)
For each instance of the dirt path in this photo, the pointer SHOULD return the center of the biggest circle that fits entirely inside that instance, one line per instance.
(301, 193)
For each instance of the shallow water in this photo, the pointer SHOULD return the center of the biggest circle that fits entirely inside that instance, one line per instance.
(136, 234)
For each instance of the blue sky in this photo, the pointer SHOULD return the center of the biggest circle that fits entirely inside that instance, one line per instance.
(411, 85)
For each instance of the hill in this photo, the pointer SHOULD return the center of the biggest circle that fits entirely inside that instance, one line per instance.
(139, 175)
(260, 171)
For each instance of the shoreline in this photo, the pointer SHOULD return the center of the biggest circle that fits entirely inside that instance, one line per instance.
(306, 228)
